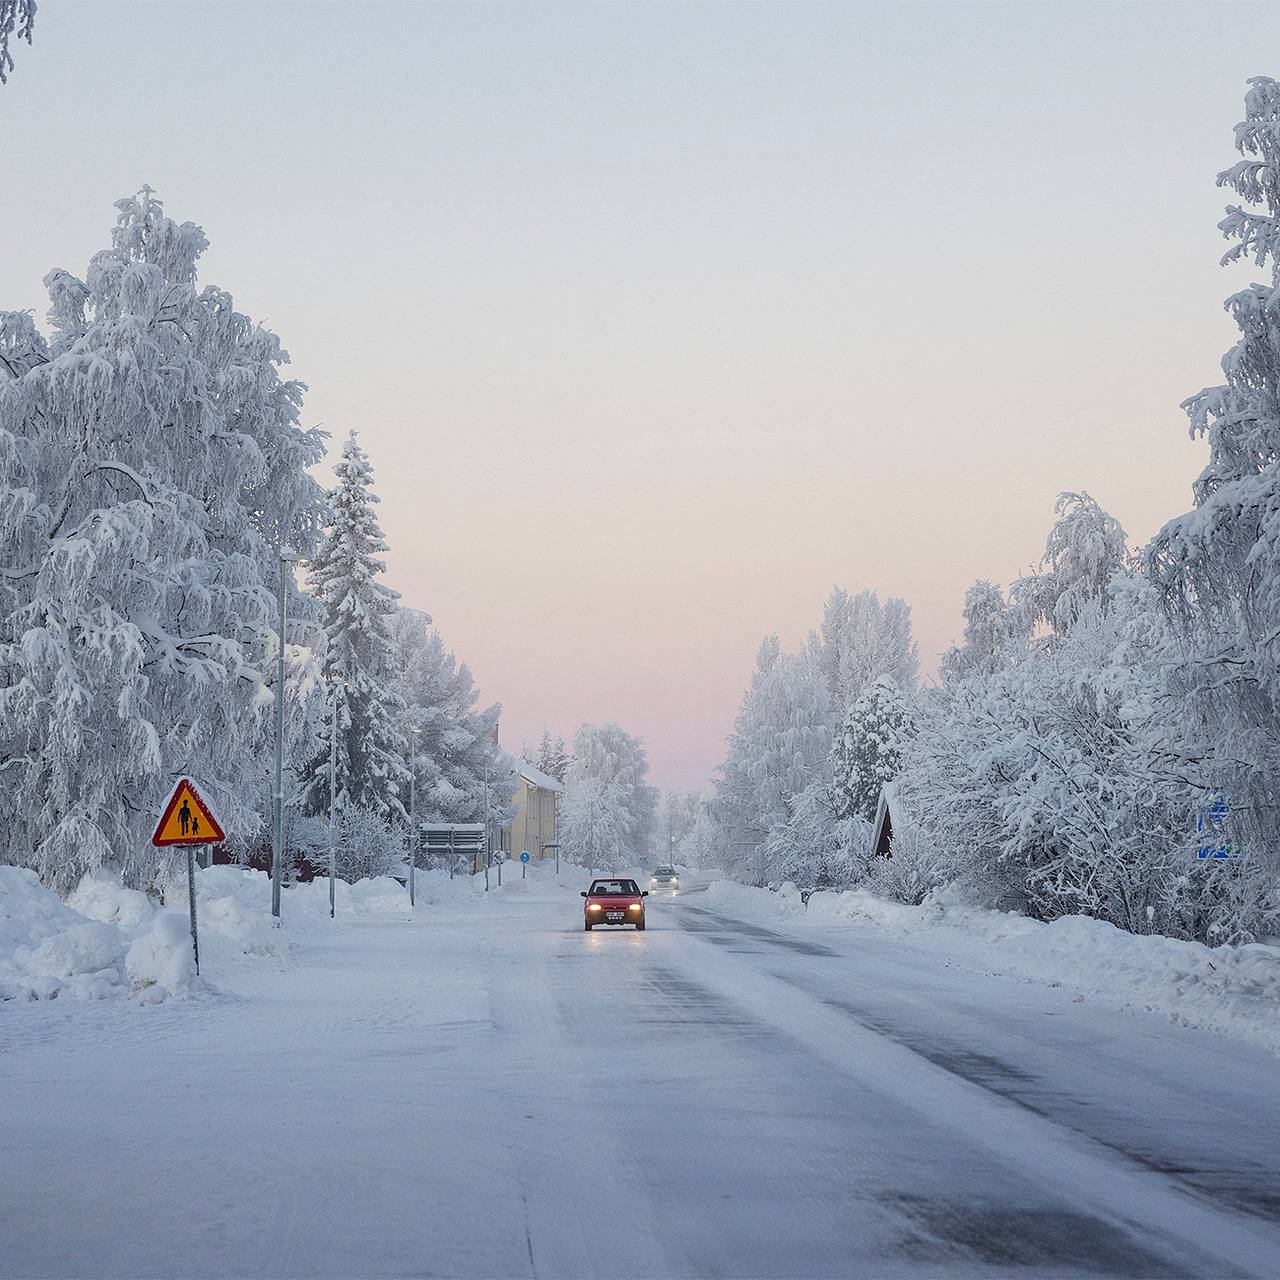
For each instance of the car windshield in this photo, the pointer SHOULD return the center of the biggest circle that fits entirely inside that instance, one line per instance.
(614, 887)
(664, 871)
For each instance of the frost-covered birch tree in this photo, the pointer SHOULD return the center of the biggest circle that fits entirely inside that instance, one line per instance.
(780, 745)
(595, 824)
(359, 659)
(1218, 566)
(151, 461)
(861, 638)
(609, 772)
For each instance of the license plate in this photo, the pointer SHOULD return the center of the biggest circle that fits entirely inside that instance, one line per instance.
(614, 915)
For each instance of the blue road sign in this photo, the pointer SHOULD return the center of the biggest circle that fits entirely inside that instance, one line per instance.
(524, 855)
(1211, 824)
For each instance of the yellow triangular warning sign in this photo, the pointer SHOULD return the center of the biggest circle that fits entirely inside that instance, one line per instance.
(187, 819)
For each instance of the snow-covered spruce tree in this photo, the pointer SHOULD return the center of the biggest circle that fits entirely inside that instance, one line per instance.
(150, 463)
(455, 737)
(359, 659)
(607, 754)
(551, 757)
(868, 749)
(1218, 566)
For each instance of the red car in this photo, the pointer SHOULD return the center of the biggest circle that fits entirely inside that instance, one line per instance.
(613, 902)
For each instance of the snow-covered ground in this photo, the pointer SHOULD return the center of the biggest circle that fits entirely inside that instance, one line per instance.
(1232, 989)
(480, 1088)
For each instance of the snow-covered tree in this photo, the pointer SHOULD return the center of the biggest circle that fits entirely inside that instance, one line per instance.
(1218, 566)
(151, 463)
(19, 16)
(680, 810)
(860, 639)
(701, 846)
(615, 765)
(780, 745)
(816, 847)
(868, 749)
(1085, 550)
(995, 635)
(456, 738)
(359, 658)
(596, 824)
(551, 757)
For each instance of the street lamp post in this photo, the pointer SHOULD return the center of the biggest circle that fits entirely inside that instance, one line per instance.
(287, 556)
(413, 808)
(486, 820)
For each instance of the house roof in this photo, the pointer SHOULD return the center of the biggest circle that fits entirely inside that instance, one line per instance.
(884, 817)
(543, 781)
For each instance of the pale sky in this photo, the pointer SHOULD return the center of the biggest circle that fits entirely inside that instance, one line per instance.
(658, 321)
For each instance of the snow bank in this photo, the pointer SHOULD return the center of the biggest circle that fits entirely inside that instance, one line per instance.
(751, 903)
(108, 941)
(1229, 989)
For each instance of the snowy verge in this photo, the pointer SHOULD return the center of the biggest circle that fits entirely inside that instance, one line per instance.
(1233, 990)
(107, 941)
(49, 948)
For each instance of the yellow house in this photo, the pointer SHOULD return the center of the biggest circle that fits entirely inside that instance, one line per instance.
(535, 823)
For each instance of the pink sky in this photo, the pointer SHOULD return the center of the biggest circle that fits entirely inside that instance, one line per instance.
(659, 321)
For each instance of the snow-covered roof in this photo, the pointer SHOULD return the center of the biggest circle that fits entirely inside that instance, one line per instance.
(544, 781)
(888, 802)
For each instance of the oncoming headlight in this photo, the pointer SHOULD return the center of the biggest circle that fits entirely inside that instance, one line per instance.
(635, 906)
(593, 906)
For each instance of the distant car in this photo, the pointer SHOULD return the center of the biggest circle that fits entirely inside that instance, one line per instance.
(613, 901)
(664, 878)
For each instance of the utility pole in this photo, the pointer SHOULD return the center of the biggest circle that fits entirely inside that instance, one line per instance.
(413, 808)
(486, 820)
(287, 557)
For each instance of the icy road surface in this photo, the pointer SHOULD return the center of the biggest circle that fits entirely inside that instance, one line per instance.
(490, 1091)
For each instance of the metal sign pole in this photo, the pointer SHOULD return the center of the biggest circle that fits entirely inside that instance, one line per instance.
(277, 798)
(413, 812)
(486, 822)
(333, 800)
(191, 895)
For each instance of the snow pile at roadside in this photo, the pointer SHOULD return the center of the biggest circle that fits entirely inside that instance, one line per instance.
(50, 949)
(1229, 989)
(747, 902)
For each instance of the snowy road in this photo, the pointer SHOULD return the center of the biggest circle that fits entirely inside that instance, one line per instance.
(489, 1091)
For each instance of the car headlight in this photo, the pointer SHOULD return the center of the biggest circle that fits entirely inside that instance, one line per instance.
(593, 906)
(635, 906)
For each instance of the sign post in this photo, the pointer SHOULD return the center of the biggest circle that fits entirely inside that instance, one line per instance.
(524, 861)
(187, 820)
(451, 839)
